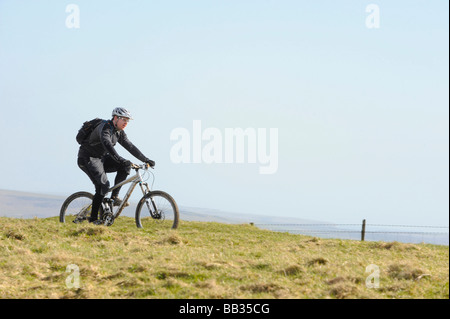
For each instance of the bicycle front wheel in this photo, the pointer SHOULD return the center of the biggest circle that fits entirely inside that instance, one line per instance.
(157, 209)
(76, 208)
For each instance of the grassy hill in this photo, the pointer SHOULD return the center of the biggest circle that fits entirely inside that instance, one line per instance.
(207, 260)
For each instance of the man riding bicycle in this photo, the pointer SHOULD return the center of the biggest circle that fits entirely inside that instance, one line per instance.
(97, 156)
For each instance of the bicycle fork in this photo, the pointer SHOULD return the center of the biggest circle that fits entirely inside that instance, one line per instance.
(149, 202)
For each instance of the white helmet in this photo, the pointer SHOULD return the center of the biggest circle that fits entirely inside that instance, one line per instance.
(122, 112)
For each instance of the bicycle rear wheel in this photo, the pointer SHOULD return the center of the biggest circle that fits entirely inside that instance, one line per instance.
(157, 209)
(77, 208)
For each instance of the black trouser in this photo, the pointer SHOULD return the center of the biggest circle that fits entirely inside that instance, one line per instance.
(96, 169)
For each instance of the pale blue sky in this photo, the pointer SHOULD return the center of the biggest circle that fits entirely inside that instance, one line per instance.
(362, 113)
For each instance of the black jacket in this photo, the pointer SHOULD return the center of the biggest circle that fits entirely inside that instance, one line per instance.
(102, 141)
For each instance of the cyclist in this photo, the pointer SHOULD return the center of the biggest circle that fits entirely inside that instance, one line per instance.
(97, 156)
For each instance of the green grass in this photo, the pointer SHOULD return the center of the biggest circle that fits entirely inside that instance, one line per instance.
(207, 260)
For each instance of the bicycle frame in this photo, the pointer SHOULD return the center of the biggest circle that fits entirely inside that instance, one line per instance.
(134, 180)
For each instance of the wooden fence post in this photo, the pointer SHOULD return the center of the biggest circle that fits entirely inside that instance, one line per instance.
(363, 230)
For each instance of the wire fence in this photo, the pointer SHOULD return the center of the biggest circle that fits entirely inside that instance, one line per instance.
(438, 235)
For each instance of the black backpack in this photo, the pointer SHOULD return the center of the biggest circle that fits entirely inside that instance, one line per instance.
(85, 131)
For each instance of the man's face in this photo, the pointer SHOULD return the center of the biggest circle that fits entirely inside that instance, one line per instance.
(121, 122)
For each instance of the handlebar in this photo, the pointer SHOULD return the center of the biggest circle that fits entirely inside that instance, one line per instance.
(144, 166)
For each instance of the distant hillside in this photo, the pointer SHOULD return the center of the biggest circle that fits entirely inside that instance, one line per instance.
(29, 205)
(42, 258)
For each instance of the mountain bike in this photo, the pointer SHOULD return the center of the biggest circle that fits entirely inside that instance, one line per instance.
(154, 206)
